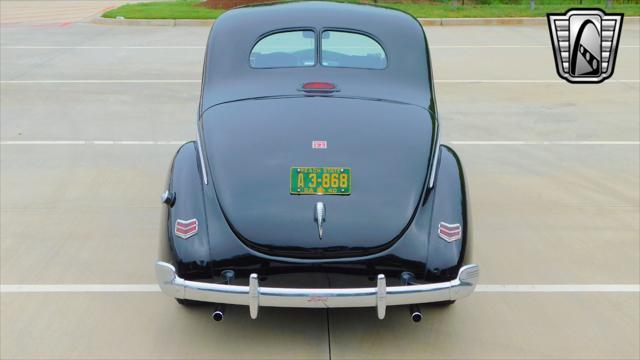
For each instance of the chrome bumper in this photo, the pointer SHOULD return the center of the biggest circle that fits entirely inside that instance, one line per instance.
(255, 296)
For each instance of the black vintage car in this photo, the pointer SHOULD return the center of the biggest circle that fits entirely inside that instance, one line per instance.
(317, 179)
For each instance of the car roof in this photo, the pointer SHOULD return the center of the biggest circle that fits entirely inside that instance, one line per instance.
(228, 77)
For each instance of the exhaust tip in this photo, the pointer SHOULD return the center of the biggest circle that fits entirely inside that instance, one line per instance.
(217, 315)
(416, 316)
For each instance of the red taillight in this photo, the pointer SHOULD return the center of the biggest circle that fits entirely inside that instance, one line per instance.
(318, 85)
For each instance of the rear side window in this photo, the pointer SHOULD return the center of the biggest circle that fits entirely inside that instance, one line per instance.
(284, 49)
(347, 49)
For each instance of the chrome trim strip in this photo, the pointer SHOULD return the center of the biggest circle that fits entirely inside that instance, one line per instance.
(434, 163)
(255, 296)
(320, 212)
(202, 165)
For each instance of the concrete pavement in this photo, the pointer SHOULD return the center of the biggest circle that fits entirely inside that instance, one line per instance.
(89, 213)
(60, 13)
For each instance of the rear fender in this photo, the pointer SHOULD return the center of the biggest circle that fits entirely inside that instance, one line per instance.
(449, 204)
(190, 254)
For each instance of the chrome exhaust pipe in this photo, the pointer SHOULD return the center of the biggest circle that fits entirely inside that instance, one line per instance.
(228, 276)
(218, 315)
(407, 278)
(416, 314)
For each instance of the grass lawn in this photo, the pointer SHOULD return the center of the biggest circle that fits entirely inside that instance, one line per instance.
(190, 9)
(179, 9)
(499, 10)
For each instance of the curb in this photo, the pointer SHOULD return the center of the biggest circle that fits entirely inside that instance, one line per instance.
(521, 21)
(145, 22)
(483, 21)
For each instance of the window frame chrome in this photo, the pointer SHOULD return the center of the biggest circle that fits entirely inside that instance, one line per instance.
(351, 31)
(285, 30)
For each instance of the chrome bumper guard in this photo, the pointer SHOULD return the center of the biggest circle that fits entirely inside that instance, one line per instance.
(255, 296)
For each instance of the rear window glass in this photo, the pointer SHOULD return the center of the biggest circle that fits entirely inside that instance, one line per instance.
(346, 49)
(284, 49)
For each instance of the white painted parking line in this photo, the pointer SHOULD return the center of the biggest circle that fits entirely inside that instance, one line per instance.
(173, 81)
(488, 288)
(62, 142)
(103, 81)
(93, 142)
(506, 46)
(459, 142)
(202, 47)
(559, 288)
(79, 288)
(180, 142)
(103, 47)
(522, 81)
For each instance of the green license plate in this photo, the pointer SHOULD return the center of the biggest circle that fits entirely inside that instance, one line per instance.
(320, 181)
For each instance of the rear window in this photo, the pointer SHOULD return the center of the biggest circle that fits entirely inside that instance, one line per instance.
(284, 49)
(347, 49)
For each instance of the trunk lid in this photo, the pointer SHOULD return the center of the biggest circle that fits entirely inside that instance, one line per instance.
(252, 144)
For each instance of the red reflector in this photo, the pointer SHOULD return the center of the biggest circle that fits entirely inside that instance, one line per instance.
(318, 85)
